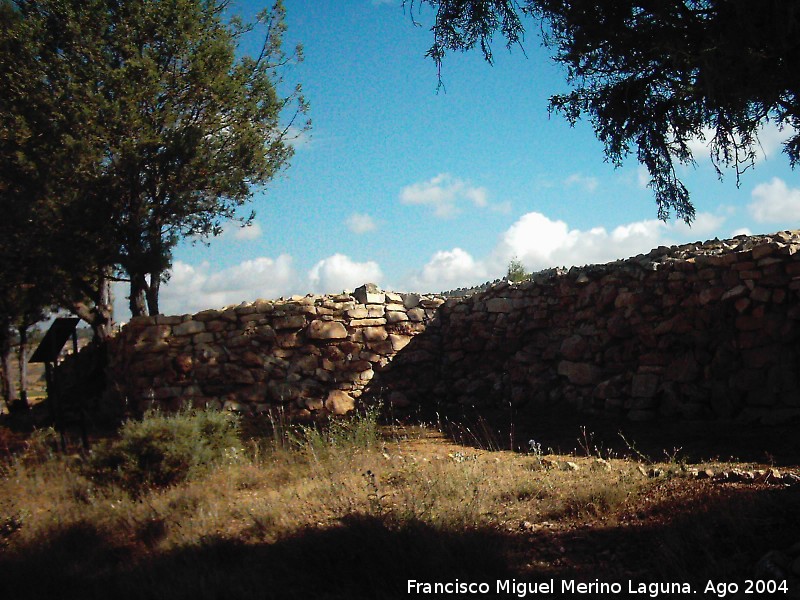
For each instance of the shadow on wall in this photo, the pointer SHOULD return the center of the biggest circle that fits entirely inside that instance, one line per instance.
(700, 331)
(693, 332)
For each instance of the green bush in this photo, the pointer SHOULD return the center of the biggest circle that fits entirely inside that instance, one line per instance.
(162, 450)
(516, 271)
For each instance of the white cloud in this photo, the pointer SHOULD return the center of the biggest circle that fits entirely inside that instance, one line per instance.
(587, 183)
(534, 238)
(445, 195)
(297, 137)
(261, 277)
(478, 196)
(360, 223)
(741, 231)
(448, 269)
(192, 288)
(339, 272)
(698, 146)
(541, 243)
(771, 137)
(775, 202)
(251, 232)
(264, 275)
(703, 224)
(642, 176)
(501, 207)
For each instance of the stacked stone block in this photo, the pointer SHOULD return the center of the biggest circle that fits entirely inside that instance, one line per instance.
(311, 354)
(695, 331)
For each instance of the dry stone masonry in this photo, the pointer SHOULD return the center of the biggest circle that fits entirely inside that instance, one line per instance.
(311, 354)
(695, 331)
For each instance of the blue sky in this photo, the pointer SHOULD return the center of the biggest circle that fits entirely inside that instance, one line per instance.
(421, 189)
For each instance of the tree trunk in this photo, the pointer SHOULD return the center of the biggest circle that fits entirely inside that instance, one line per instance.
(6, 379)
(22, 358)
(105, 309)
(99, 314)
(137, 296)
(152, 293)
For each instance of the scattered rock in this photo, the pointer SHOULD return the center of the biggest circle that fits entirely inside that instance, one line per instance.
(339, 402)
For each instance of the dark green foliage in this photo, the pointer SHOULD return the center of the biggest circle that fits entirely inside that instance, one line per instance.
(516, 271)
(126, 126)
(655, 75)
(163, 450)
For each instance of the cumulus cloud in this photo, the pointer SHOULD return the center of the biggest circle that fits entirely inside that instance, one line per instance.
(192, 288)
(540, 243)
(340, 272)
(771, 137)
(360, 223)
(775, 202)
(703, 224)
(446, 195)
(195, 287)
(448, 269)
(642, 176)
(584, 182)
(263, 274)
(251, 232)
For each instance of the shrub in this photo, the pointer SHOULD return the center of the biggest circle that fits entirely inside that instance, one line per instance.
(162, 450)
(516, 271)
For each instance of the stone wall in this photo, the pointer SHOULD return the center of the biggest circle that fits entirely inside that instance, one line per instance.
(310, 354)
(695, 331)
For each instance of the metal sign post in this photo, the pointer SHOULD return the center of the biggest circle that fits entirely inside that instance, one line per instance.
(48, 352)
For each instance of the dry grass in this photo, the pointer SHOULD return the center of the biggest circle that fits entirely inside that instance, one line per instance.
(354, 509)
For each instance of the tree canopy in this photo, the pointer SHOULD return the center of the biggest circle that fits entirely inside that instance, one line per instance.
(127, 126)
(653, 75)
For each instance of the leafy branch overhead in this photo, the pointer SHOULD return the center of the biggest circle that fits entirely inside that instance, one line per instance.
(652, 76)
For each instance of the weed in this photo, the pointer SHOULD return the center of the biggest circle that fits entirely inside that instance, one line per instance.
(589, 447)
(675, 459)
(632, 447)
(374, 496)
(41, 446)
(356, 433)
(594, 498)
